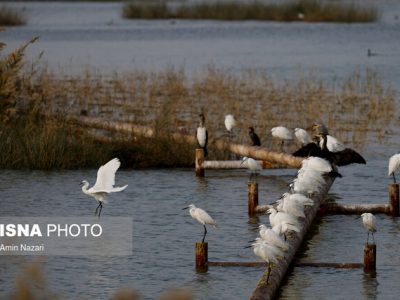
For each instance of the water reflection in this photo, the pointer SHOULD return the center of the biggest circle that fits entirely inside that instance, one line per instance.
(370, 285)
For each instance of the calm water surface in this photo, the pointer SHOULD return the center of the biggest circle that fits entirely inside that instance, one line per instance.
(164, 235)
(74, 36)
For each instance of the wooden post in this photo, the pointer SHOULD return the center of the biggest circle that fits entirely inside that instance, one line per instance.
(199, 161)
(201, 257)
(252, 188)
(369, 258)
(394, 199)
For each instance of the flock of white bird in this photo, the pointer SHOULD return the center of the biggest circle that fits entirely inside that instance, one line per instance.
(284, 217)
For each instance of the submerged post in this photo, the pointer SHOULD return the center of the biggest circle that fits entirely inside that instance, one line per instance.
(369, 257)
(201, 257)
(252, 192)
(394, 199)
(199, 159)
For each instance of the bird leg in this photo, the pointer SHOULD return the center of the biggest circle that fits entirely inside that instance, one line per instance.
(394, 178)
(373, 239)
(95, 213)
(101, 207)
(205, 232)
(282, 143)
(367, 237)
(269, 271)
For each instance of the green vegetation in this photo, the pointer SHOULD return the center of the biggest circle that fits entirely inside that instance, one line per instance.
(297, 10)
(11, 17)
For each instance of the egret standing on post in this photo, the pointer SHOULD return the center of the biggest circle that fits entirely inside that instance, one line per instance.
(202, 135)
(394, 165)
(255, 140)
(369, 222)
(201, 216)
(104, 183)
(253, 166)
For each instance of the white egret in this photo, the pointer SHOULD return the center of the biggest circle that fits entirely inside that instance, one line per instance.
(299, 198)
(202, 135)
(282, 133)
(253, 165)
(104, 183)
(303, 136)
(317, 164)
(267, 252)
(394, 165)
(369, 222)
(229, 122)
(291, 207)
(273, 238)
(201, 216)
(286, 220)
(255, 140)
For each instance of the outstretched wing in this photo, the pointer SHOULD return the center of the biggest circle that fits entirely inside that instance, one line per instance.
(106, 175)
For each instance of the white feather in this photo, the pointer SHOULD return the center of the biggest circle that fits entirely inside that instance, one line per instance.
(229, 122)
(302, 136)
(394, 164)
(282, 133)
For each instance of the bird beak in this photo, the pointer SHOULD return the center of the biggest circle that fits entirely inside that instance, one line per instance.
(185, 207)
(244, 160)
(247, 247)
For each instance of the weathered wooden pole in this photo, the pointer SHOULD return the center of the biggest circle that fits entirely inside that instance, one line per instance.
(252, 193)
(369, 257)
(355, 209)
(394, 199)
(201, 257)
(199, 158)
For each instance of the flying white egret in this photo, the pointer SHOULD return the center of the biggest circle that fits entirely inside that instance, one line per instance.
(303, 136)
(229, 122)
(253, 165)
(104, 183)
(201, 216)
(369, 222)
(394, 165)
(255, 140)
(202, 135)
(282, 133)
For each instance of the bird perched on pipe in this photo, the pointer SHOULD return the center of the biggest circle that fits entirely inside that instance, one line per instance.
(202, 135)
(104, 184)
(369, 223)
(302, 136)
(255, 140)
(282, 133)
(201, 216)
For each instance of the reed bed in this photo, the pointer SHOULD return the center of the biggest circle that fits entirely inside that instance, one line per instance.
(11, 17)
(36, 106)
(297, 10)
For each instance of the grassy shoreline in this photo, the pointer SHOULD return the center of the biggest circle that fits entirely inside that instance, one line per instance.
(296, 10)
(36, 103)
